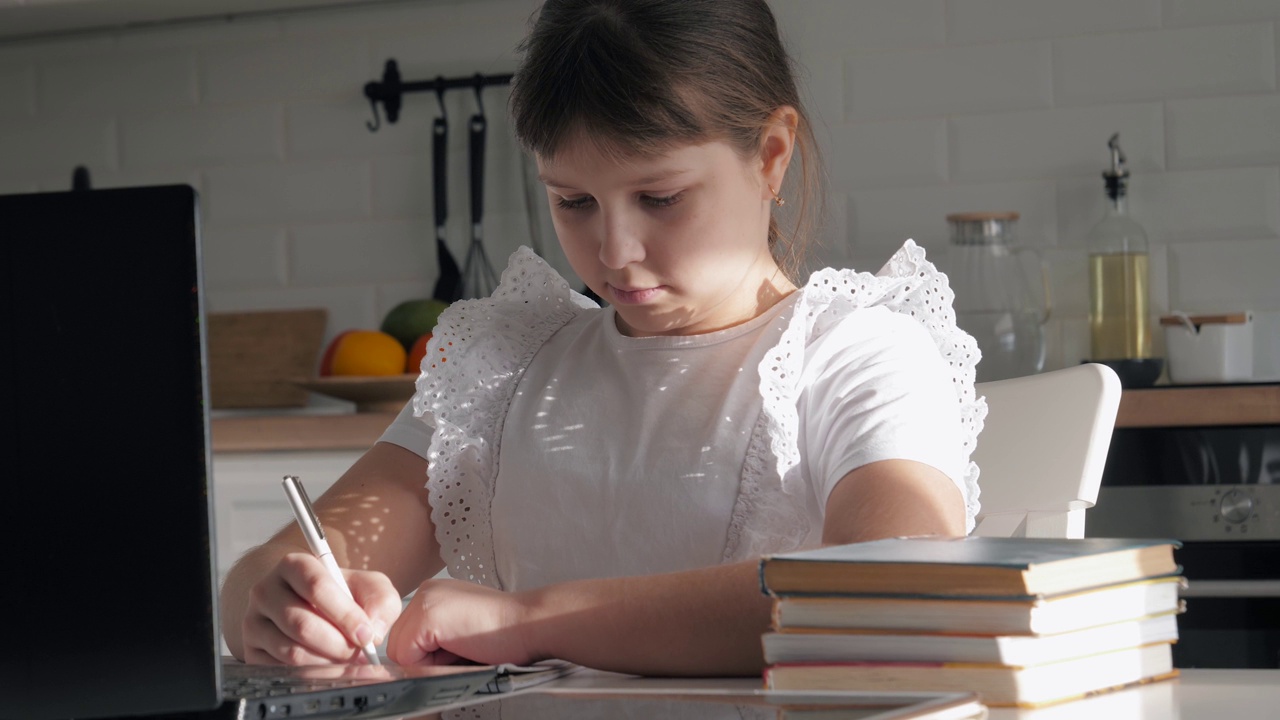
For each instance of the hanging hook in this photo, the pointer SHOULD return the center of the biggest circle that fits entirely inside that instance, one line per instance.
(388, 92)
(376, 122)
(479, 86)
(440, 94)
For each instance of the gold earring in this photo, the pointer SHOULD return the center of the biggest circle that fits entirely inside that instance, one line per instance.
(776, 199)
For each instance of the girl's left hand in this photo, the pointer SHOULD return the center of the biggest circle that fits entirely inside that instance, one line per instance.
(451, 620)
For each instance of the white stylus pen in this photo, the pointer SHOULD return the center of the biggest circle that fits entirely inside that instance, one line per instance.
(314, 534)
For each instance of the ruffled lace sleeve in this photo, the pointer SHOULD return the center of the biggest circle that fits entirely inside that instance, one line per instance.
(476, 356)
(907, 284)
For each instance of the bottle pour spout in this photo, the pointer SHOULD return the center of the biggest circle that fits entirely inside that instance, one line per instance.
(1116, 177)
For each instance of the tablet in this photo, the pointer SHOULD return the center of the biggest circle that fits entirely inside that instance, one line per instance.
(747, 705)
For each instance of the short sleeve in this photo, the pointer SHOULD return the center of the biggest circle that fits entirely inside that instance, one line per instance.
(409, 432)
(876, 388)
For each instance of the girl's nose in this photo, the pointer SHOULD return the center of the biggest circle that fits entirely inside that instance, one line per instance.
(620, 244)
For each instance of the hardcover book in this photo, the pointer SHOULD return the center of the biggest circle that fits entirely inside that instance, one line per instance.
(1022, 615)
(998, 685)
(825, 646)
(967, 566)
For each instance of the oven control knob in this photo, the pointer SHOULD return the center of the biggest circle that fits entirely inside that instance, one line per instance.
(1235, 506)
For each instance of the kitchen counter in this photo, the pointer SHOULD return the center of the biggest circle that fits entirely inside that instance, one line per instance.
(1199, 405)
(256, 433)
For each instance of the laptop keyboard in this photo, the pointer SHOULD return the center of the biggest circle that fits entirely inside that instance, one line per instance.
(249, 687)
(321, 691)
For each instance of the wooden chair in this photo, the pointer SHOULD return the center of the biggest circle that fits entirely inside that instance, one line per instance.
(1042, 449)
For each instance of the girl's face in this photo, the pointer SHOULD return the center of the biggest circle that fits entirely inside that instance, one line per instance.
(677, 243)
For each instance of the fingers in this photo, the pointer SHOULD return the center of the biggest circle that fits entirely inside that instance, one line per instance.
(266, 644)
(307, 578)
(434, 618)
(404, 647)
(378, 596)
(281, 614)
(413, 639)
(299, 614)
(441, 657)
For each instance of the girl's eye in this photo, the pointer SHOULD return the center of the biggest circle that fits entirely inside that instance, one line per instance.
(586, 201)
(580, 203)
(662, 202)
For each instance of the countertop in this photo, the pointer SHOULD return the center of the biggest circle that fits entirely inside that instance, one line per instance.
(258, 433)
(1200, 405)
(1251, 404)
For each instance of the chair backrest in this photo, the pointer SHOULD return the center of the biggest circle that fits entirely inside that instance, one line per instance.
(1042, 449)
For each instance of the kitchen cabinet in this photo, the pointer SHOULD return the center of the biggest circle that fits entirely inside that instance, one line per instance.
(252, 453)
(249, 503)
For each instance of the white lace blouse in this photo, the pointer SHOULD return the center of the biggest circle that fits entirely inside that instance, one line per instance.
(560, 449)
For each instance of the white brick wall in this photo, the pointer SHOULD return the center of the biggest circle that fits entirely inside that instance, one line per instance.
(33, 148)
(924, 107)
(309, 192)
(1200, 205)
(1052, 143)
(1186, 62)
(881, 217)
(1029, 91)
(17, 92)
(941, 81)
(1224, 131)
(245, 257)
(890, 153)
(134, 81)
(971, 21)
(1207, 12)
(201, 137)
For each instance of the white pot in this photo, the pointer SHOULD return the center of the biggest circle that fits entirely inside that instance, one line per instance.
(1209, 348)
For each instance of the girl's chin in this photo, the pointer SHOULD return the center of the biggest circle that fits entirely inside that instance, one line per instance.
(636, 322)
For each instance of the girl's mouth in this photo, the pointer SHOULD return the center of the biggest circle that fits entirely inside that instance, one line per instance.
(633, 297)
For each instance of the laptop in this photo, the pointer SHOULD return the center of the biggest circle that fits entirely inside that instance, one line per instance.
(110, 588)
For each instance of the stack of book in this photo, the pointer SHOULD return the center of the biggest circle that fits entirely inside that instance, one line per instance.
(1022, 621)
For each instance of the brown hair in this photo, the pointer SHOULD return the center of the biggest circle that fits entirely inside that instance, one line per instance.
(639, 76)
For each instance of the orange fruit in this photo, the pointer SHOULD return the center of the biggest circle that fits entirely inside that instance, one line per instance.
(363, 352)
(416, 353)
(326, 360)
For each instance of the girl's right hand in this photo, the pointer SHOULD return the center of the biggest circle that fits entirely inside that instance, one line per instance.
(298, 615)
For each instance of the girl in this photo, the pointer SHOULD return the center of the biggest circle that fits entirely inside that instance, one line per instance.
(601, 482)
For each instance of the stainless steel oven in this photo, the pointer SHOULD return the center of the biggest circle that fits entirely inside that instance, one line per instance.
(1202, 465)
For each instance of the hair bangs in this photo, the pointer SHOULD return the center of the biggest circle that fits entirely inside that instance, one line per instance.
(600, 85)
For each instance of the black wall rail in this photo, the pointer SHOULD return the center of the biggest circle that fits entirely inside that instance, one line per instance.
(391, 88)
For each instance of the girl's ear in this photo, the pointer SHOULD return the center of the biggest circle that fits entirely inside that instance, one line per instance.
(777, 142)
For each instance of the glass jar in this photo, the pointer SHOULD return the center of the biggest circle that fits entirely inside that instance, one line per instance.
(1002, 293)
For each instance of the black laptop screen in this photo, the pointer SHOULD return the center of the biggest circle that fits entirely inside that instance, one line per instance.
(104, 453)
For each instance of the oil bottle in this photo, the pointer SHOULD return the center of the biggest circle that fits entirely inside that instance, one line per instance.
(1119, 313)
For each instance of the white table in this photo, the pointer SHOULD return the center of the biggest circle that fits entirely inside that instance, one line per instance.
(1196, 695)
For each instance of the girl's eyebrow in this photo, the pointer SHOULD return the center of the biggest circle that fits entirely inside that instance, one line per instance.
(657, 177)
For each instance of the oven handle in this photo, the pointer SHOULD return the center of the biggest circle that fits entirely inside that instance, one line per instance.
(1232, 588)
